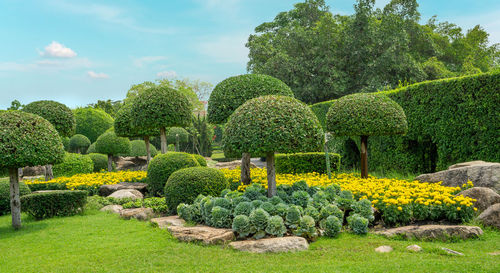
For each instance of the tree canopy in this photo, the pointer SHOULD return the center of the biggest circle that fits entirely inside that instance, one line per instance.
(58, 114)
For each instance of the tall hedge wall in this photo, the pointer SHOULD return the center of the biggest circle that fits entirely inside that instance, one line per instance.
(449, 121)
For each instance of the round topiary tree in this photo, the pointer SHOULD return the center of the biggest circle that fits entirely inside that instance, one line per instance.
(79, 143)
(26, 140)
(139, 148)
(163, 165)
(269, 124)
(111, 144)
(161, 107)
(92, 122)
(184, 185)
(365, 115)
(232, 92)
(177, 135)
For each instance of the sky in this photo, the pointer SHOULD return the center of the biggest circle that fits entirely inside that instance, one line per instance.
(78, 52)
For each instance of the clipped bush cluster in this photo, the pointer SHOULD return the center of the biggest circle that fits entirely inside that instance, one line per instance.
(305, 162)
(201, 160)
(138, 148)
(56, 203)
(78, 143)
(100, 161)
(92, 122)
(58, 114)
(5, 195)
(73, 164)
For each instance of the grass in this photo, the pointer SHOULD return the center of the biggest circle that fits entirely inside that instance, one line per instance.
(99, 242)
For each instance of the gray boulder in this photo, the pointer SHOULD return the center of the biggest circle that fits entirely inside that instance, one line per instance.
(280, 244)
(128, 193)
(491, 216)
(164, 222)
(106, 190)
(203, 234)
(137, 163)
(142, 214)
(112, 209)
(485, 197)
(433, 232)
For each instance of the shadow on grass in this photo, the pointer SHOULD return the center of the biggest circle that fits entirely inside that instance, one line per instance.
(28, 226)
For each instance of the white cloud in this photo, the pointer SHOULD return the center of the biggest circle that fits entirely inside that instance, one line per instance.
(226, 49)
(58, 50)
(46, 65)
(140, 62)
(166, 74)
(95, 75)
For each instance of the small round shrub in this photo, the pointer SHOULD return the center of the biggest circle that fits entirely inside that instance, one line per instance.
(253, 192)
(184, 212)
(275, 200)
(184, 185)
(345, 199)
(241, 225)
(206, 209)
(243, 208)
(73, 164)
(58, 114)
(259, 219)
(281, 209)
(364, 208)
(138, 148)
(332, 191)
(173, 132)
(300, 185)
(292, 217)
(284, 196)
(79, 143)
(275, 226)
(222, 202)
(332, 226)
(319, 199)
(163, 165)
(257, 203)
(330, 210)
(5, 195)
(358, 224)
(91, 149)
(307, 228)
(221, 217)
(54, 203)
(100, 161)
(111, 144)
(301, 198)
(269, 207)
(92, 122)
(201, 160)
(313, 212)
(240, 199)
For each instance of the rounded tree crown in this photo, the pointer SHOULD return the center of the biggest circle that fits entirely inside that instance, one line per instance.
(78, 141)
(174, 131)
(124, 124)
(272, 124)
(159, 107)
(92, 122)
(28, 140)
(232, 92)
(111, 144)
(366, 115)
(58, 114)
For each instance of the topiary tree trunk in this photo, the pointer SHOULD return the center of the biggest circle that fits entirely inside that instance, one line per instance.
(245, 169)
(364, 156)
(110, 162)
(15, 202)
(163, 137)
(271, 175)
(49, 175)
(148, 151)
(177, 143)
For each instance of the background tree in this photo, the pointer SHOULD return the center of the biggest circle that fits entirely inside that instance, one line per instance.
(365, 115)
(269, 124)
(177, 135)
(15, 105)
(161, 107)
(232, 92)
(108, 106)
(26, 140)
(138, 148)
(111, 144)
(92, 122)
(79, 143)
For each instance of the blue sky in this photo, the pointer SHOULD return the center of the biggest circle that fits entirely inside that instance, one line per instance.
(77, 52)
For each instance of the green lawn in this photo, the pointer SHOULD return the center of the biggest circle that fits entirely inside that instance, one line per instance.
(98, 242)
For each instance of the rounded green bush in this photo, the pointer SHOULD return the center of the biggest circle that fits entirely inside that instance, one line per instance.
(91, 149)
(366, 114)
(269, 207)
(330, 210)
(65, 142)
(243, 208)
(73, 164)
(281, 209)
(28, 140)
(313, 212)
(163, 165)
(5, 195)
(275, 226)
(184, 185)
(100, 161)
(332, 226)
(58, 114)
(259, 218)
(125, 126)
(306, 228)
(111, 144)
(358, 224)
(79, 143)
(272, 124)
(221, 217)
(201, 160)
(174, 131)
(232, 92)
(301, 198)
(223, 202)
(241, 225)
(363, 208)
(292, 217)
(92, 122)
(138, 148)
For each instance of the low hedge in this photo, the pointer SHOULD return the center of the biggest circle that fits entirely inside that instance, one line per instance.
(201, 160)
(5, 195)
(305, 162)
(54, 203)
(73, 164)
(100, 162)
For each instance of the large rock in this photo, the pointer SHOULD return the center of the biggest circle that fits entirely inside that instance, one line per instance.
(433, 232)
(143, 214)
(34, 171)
(106, 190)
(164, 222)
(137, 163)
(128, 193)
(281, 244)
(203, 234)
(481, 174)
(485, 197)
(384, 249)
(232, 165)
(491, 216)
(112, 209)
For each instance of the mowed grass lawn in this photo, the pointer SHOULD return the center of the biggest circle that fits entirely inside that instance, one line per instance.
(100, 242)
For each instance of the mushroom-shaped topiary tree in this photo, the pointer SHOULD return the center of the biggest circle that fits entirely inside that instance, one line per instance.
(111, 144)
(26, 140)
(59, 115)
(232, 92)
(79, 143)
(161, 107)
(92, 122)
(269, 124)
(365, 115)
(177, 135)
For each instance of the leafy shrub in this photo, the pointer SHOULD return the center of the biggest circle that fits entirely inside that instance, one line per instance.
(259, 219)
(275, 200)
(111, 144)
(269, 207)
(319, 199)
(173, 132)
(275, 226)
(91, 149)
(96, 202)
(221, 217)
(332, 226)
(305, 162)
(163, 165)
(301, 198)
(307, 228)
(292, 218)
(55, 203)
(184, 185)
(223, 202)
(363, 208)
(332, 191)
(313, 212)
(157, 204)
(239, 199)
(345, 199)
(243, 208)
(73, 164)
(100, 161)
(65, 142)
(331, 210)
(78, 143)
(358, 224)
(241, 225)
(5, 195)
(92, 122)
(300, 185)
(58, 114)
(254, 192)
(201, 160)
(257, 203)
(138, 148)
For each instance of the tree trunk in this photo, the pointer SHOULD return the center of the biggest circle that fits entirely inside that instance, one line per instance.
(110, 163)
(78, 150)
(163, 137)
(48, 172)
(364, 156)
(177, 143)
(328, 171)
(245, 169)
(148, 151)
(15, 202)
(271, 175)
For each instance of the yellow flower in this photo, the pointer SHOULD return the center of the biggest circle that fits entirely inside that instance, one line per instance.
(400, 208)
(459, 208)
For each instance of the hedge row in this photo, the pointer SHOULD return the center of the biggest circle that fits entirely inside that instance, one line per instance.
(55, 203)
(305, 162)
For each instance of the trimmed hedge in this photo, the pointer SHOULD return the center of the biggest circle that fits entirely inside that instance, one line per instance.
(100, 161)
(163, 165)
(92, 122)
(138, 148)
(58, 114)
(305, 162)
(73, 164)
(5, 195)
(111, 144)
(124, 124)
(173, 131)
(55, 203)
(79, 142)
(184, 185)
(201, 160)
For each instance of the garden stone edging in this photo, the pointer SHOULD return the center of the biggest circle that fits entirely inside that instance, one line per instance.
(485, 197)
(106, 190)
(127, 193)
(164, 222)
(433, 232)
(491, 216)
(142, 214)
(279, 244)
(204, 234)
(112, 209)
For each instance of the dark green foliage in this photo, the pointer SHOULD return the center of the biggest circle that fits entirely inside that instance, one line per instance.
(73, 164)
(65, 142)
(257, 203)
(5, 195)
(275, 200)
(363, 208)
(301, 198)
(345, 199)
(157, 204)
(223, 202)
(305, 162)
(221, 217)
(241, 225)
(92, 122)
(313, 212)
(184, 185)
(281, 209)
(125, 126)
(173, 132)
(55, 203)
(319, 199)
(272, 124)
(201, 135)
(58, 114)
(320, 109)
(28, 140)
(269, 207)
(332, 191)
(78, 143)
(332, 226)
(206, 209)
(259, 219)
(307, 228)
(138, 148)
(254, 192)
(201, 160)
(239, 199)
(330, 210)
(292, 217)
(91, 149)
(366, 115)
(300, 185)
(100, 161)
(163, 165)
(111, 144)
(275, 226)
(243, 208)
(233, 92)
(358, 224)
